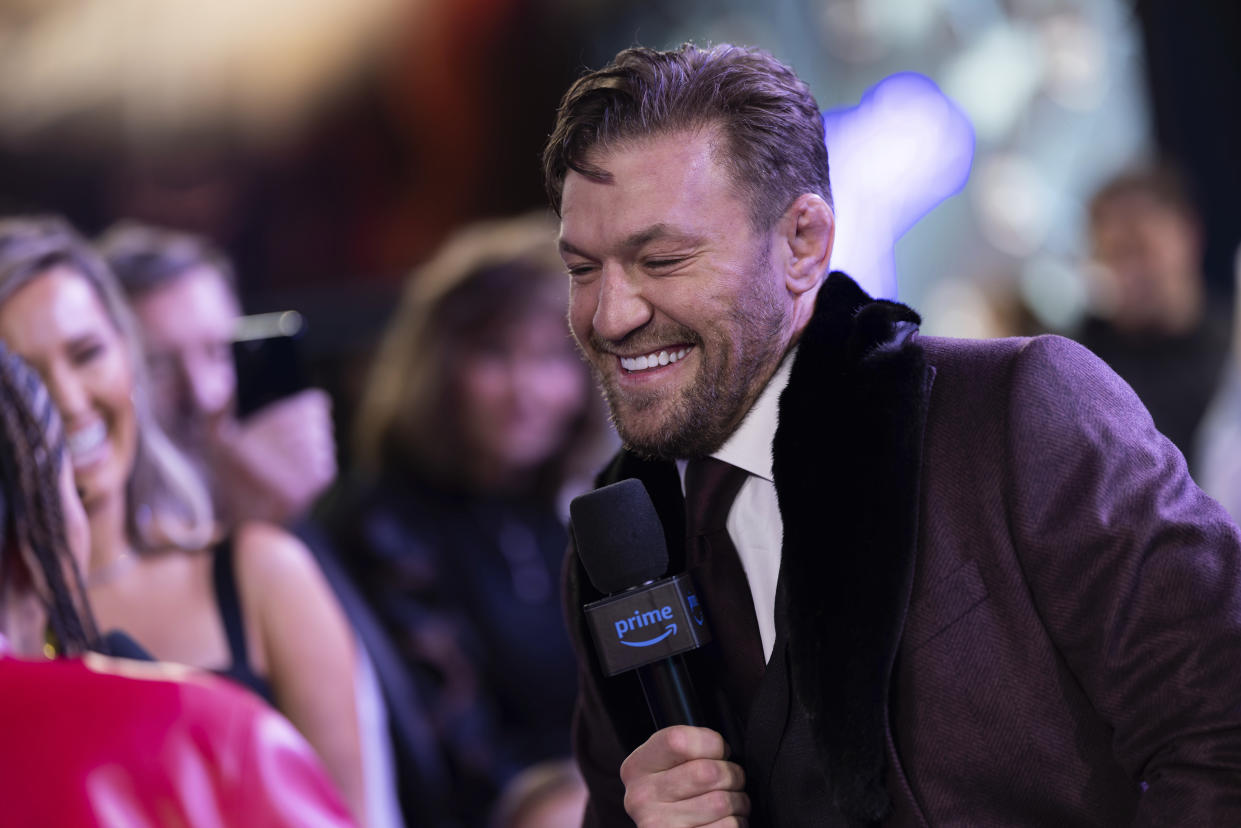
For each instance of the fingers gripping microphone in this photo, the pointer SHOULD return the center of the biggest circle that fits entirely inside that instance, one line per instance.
(648, 622)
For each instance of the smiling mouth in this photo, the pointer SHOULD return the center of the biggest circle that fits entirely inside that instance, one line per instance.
(655, 359)
(84, 444)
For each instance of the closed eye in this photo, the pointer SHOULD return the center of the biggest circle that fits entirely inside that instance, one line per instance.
(658, 264)
(581, 270)
(84, 352)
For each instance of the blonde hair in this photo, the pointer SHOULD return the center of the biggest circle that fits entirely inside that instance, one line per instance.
(487, 275)
(166, 502)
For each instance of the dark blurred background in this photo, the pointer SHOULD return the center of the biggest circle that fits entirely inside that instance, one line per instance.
(329, 146)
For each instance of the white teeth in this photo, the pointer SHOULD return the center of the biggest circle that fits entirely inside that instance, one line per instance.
(87, 439)
(654, 360)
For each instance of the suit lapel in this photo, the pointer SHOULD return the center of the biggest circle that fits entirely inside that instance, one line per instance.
(847, 457)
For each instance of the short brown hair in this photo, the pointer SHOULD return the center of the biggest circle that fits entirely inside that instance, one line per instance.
(1161, 183)
(771, 123)
(144, 257)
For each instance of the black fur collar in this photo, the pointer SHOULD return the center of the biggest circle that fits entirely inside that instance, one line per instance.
(846, 465)
(847, 457)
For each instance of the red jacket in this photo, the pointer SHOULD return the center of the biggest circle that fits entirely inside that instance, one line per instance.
(103, 741)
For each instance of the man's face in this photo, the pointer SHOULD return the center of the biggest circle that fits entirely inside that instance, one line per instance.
(675, 300)
(187, 326)
(1151, 257)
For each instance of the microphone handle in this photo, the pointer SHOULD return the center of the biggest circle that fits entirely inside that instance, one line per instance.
(669, 692)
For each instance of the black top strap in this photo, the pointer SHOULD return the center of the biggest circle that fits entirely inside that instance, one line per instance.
(229, 600)
(224, 577)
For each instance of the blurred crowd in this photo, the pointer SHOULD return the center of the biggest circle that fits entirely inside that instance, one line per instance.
(1153, 315)
(172, 495)
(403, 615)
(238, 594)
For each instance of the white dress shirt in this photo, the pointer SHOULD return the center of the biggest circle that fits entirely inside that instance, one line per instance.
(754, 522)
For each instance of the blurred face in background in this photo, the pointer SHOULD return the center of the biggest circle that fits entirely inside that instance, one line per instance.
(58, 324)
(520, 388)
(187, 327)
(1151, 258)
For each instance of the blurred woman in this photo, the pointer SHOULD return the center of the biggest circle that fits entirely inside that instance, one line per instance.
(475, 420)
(251, 606)
(100, 741)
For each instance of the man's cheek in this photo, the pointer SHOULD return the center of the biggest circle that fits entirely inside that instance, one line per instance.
(583, 302)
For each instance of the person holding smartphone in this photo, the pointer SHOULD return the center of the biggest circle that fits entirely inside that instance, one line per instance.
(245, 600)
(271, 465)
(91, 739)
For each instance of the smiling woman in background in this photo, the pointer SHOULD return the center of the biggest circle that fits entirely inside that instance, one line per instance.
(95, 740)
(475, 419)
(274, 627)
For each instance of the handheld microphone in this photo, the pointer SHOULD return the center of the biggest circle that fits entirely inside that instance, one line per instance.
(648, 622)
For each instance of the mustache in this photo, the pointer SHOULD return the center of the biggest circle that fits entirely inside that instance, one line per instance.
(644, 340)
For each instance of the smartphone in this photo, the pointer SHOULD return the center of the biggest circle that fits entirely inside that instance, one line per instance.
(267, 354)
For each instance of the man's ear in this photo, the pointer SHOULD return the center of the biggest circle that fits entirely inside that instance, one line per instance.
(810, 231)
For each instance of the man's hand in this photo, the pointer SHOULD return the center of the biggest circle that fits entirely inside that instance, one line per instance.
(680, 778)
(273, 465)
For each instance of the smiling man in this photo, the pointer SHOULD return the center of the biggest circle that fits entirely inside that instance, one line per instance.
(958, 582)
(675, 316)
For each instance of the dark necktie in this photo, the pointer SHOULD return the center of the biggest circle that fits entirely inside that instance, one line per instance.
(710, 487)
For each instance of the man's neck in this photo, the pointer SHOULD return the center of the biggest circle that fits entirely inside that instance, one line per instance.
(749, 446)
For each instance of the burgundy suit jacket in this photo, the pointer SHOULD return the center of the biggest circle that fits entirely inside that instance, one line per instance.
(1002, 599)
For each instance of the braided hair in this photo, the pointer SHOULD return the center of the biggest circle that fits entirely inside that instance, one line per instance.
(31, 453)
(167, 505)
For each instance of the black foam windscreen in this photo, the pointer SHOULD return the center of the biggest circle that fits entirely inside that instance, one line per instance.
(619, 537)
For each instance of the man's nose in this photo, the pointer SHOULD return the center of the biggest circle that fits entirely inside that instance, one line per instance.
(622, 306)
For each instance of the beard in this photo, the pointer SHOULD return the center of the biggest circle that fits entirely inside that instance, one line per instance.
(698, 418)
